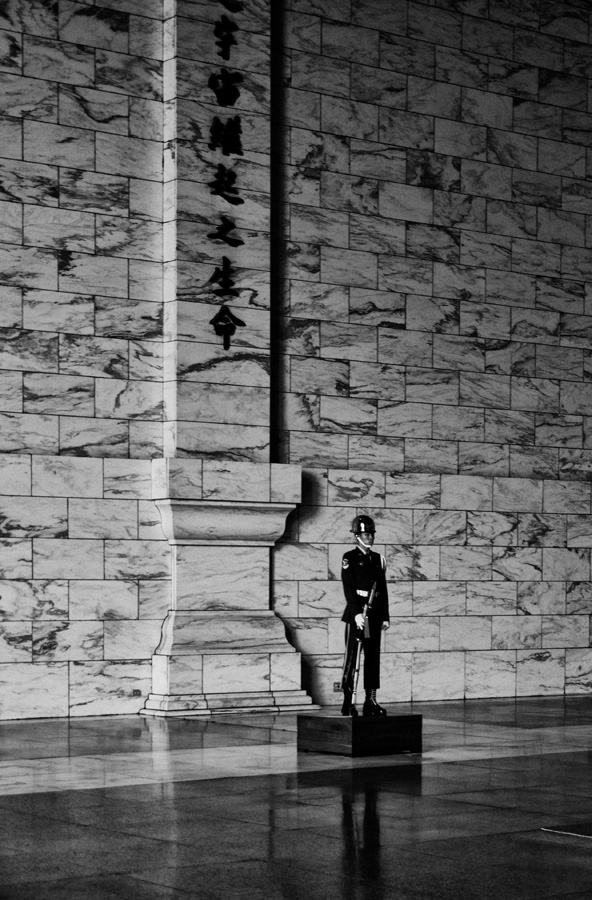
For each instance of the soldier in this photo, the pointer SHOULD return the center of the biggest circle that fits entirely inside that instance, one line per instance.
(361, 568)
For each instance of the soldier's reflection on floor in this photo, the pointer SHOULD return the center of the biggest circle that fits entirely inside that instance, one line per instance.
(361, 826)
(361, 843)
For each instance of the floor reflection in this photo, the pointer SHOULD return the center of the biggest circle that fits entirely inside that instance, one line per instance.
(135, 809)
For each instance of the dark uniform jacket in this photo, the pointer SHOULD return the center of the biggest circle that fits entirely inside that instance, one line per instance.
(359, 571)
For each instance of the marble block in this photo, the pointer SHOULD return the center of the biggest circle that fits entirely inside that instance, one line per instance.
(131, 639)
(67, 477)
(103, 600)
(578, 671)
(23, 599)
(202, 583)
(67, 558)
(516, 632)
(33, 692)
(236, 673)
(465, 633)
(285, 672)
(395, 671)
(438, 676)
(463, 492)
(439, 598)
(192, 632)
(176, 674)
(108, 688)
(540, 673)
(490, 674)
(59, 641)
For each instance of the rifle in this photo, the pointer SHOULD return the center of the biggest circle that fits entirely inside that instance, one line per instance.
(362, 633)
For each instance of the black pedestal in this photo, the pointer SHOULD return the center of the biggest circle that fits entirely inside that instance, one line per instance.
(360, 735)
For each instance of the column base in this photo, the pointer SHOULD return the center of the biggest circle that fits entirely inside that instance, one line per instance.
(191, 705)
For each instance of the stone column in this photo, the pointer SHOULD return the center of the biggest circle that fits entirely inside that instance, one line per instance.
(222, 504)
(222, 647)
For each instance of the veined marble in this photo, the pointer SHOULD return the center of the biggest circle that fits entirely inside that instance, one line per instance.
(33, 517)
(67, 558)
(413, 563)
(292, 559)
(33, 691)
(15, 475)
(55, 394)
(439, 527)
(546, 530)
(486, 528)
(466, 563)
(27, 599)
(577, 671)
(544, 597)
(136, 559)
(539, 673)
(29, 433)
(356, 487)
(414, 634)
(108, 688)
(516, 632)
(439, 674)
(566, 631)
(131, 639)
(462, 423)
(59, 641)
(16, 558)
(439, 598)
(50, 310)
(566, 564)
(90, 518)
(412, 491)
(15, 642)
(465, 633)
(93, 437)
(490, 674)
(320, 599)
(376, 452)
(100, 600)
(404, 419)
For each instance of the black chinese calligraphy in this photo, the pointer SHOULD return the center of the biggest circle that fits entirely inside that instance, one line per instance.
(223, 186)
(226, 136)
(223, 276)
(224, 85)
(225, 324)
(224, 32)
(233, 6)
(224, 231)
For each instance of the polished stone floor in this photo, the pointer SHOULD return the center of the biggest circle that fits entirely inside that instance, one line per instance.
(150, 809)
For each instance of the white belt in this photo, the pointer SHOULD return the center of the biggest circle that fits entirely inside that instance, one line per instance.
(363, 593)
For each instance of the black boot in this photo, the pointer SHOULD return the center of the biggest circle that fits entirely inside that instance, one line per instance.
(348, 709)
(371, 707)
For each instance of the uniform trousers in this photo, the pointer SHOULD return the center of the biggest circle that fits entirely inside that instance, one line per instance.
(371, 649)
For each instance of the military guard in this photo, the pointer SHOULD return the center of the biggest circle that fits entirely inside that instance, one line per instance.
(366, 616)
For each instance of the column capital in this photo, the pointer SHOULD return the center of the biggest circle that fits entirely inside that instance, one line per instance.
(226, 523)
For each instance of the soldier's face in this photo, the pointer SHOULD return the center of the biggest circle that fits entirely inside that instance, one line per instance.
(366, 538)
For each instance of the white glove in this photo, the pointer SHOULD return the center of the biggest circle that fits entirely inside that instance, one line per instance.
(360, 620)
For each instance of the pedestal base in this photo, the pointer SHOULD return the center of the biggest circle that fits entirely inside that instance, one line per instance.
(189, 705)
(359, 735)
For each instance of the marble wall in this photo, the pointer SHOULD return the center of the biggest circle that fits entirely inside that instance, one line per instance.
(84, 585)
(81, 258)
(436, 335)
(415, 279)
(489, 582)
